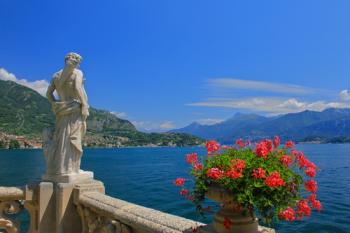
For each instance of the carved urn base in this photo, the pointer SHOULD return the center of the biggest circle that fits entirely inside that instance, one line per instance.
(231, 218)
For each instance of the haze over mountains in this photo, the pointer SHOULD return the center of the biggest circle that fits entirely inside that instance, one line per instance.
(24, 112)
(328, 125)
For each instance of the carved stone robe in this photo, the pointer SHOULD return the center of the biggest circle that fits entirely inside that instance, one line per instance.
(66, 150)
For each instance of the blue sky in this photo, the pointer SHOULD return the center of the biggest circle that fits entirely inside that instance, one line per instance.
(164, 64)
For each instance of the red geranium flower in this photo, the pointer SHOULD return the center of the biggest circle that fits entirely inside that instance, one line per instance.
(276, 142)
(240, 143)
(236, 170)
(258, 173)
(180, 181)
(312, 197)
(238, 164)
(317, 205)
(274, 180)
(310, 171)
(304, 208)
(287, 214)
(234, 174)
(286, 160)
(311, 186)
(197, 166)
(227, 223)
(215, 173)
(263, 148)
(184, 192)
(212, 146)
(289, 144)
(191, 158)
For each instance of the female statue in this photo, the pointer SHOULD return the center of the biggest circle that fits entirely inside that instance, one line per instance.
(71, 111)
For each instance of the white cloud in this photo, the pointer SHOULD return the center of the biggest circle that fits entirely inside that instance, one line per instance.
(119, 114)
(167, 125)
(149, 126)
(209, 121)
(271, 105)
(345, 95)
(232, 83)
(39, 85)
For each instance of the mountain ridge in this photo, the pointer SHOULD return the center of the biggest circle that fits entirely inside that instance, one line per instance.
(24, 112)
(325, 124)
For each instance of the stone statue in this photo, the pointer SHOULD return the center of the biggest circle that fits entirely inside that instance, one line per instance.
(63, 147)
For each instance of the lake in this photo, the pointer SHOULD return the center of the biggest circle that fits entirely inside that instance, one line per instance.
(145, 175)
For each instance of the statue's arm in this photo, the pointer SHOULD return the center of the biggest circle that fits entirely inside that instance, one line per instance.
(50, 91)
(79, 86)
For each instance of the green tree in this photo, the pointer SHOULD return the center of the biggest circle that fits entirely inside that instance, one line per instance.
(14, 144)
(2, 144)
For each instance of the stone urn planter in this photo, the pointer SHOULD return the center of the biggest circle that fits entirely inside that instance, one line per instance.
(242, 221)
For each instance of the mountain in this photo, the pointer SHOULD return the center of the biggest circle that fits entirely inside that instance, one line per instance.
(233, 126)
(24, 112)
(326, 125)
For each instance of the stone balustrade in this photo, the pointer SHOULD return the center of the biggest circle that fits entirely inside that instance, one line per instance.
(13, 201)
(121, 216)
(84, 208)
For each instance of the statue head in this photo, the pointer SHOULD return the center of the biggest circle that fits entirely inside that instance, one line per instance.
(72, 59)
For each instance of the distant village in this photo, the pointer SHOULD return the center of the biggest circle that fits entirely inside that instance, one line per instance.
(8, 141)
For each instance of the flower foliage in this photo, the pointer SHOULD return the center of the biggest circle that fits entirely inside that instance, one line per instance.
(266, 177)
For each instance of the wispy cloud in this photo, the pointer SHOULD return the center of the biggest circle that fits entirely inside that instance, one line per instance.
(271, 105)
(39, 85)
(119, 114)
(150, 126)
(232, 83)
(167, 125)
(345, 95)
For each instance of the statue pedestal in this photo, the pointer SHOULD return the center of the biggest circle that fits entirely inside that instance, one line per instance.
(82, 176)
(56, 209)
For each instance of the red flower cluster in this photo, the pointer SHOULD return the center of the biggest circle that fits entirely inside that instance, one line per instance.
(274, 180)
(238, 164)
(240, 143)
(287, 214)
(303, 208)
(179, 182)
(258, 173)
(227, 223)
(192, 158)
(315, 203)
(251, 161)
(305, 163)
(311, 186)
(263, 148)
(212, 146)
(276, 142)
(236, 169)
(286, 160)
(184, 192)
(289, 144)
(215, 173)
(310, 171)
(197, 166)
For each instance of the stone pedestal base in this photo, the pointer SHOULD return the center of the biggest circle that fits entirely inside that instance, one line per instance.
(56, 208)
(74, 178)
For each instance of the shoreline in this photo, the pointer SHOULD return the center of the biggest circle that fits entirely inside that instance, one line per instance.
(187, 146)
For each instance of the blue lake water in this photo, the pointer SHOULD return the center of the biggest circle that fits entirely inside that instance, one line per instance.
(144, 176)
